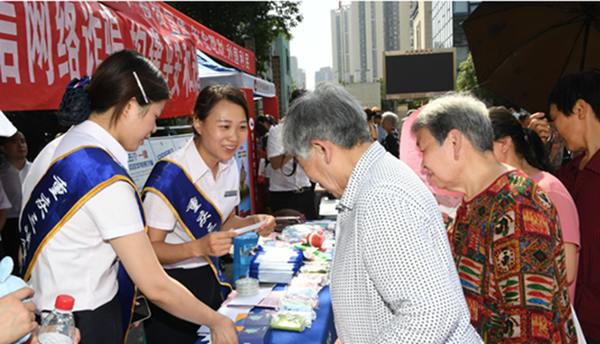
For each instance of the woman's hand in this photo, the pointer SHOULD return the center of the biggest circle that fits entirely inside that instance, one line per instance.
(215, 244)
(224, 332)
(17, 318)
(268, 227)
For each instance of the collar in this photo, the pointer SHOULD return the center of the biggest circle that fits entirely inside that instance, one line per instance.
(7, 166)
(197, 168)
(592, 165)
(358, 176)
(105, 140)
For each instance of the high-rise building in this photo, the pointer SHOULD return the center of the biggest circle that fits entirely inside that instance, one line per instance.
(420, 15)
(446, 17)
(301, 81)
(280, 71)
(361, 32)
(325, 74)
(298, 74)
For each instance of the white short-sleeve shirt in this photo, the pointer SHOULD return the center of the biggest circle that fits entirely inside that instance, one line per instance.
(12, 179)
(222, 191)
(281, 180)
(4, 202)
(79, 260)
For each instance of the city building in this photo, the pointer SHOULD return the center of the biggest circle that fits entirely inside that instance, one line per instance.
(447, 32)
(298, 74)
(325, 74)
(361, 32)
(420, 15)
(280, 71)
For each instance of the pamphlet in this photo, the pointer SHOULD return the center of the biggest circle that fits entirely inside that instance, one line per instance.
(247, 229)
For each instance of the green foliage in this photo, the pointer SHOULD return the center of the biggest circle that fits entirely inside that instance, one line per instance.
(239, 21)
(295, 86)
(467, 81)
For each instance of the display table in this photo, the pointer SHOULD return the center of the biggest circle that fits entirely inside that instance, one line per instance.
(322, 330)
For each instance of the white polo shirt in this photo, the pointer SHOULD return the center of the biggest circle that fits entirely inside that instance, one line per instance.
(12, 179)
(280, 182)
(222, 191)
(4, 202)
(79, 260)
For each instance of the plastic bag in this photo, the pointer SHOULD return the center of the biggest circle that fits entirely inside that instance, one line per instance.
(295, 305)
(289, 322)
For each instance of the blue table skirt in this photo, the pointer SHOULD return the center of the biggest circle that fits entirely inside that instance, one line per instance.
(322, 330)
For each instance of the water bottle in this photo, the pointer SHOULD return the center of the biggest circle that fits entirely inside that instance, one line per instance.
(59, 326)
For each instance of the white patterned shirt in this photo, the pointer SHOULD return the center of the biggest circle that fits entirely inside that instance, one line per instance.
(393, 278)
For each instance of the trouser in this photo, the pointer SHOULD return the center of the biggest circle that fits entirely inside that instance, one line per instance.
(302, 200)
(163, 327)
(100, 326)
(11, 241)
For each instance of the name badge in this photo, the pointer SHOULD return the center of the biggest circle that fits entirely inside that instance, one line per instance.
(231, 193)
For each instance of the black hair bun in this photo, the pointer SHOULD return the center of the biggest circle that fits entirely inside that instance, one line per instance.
(75, 106)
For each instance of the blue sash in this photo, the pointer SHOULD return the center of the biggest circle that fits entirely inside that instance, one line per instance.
(68, 183)
(195, 212)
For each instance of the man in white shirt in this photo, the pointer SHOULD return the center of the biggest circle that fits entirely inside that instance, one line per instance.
(4, 206)
(12, 174)
(393, 278)
(289, 186)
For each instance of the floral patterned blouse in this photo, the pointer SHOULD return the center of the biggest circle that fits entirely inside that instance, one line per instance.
(508, 249)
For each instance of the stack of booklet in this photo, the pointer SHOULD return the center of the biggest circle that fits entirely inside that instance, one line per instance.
(276, 265)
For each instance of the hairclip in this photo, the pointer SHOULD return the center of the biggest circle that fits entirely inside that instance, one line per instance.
(140, 86)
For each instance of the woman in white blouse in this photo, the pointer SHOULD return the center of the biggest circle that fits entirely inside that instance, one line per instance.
(82, 213)
(190, 199)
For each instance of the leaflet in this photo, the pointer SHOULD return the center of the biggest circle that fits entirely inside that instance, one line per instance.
(247, 229)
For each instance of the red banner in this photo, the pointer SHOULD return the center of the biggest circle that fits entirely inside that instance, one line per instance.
(43, 45)
(206, 40)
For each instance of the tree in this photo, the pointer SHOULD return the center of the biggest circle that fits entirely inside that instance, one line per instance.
(467, 81)
(260, 21)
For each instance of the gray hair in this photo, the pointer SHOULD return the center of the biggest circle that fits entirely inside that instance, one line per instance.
(390, 117)
(329, 113)
(459, 111)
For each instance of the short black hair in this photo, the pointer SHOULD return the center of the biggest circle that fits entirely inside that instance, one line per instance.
(580, 85)
(297, 93)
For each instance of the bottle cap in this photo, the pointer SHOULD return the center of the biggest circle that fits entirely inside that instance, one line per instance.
(64, 302)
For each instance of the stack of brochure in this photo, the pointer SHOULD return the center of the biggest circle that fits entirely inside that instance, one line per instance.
(276, 265)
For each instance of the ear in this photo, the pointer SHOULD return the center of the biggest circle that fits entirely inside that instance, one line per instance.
(581, 108)
(323, 149)
(197, 124)
(129, 107)
(3, 149)
(456, 140)
(505, 143)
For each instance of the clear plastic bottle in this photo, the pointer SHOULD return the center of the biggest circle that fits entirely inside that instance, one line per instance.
(59, 326)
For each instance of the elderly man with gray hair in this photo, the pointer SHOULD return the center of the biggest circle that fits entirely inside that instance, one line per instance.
(391, 142)
(393, 278)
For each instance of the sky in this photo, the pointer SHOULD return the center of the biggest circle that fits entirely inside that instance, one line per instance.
(311, 42)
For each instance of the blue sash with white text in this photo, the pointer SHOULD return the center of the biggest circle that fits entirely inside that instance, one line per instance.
(195, 212)
(68, 183)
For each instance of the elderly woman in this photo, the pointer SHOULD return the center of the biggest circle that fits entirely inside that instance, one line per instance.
(393, 278)
(505, 239)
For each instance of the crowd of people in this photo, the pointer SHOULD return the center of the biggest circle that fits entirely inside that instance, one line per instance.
(517, 263)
